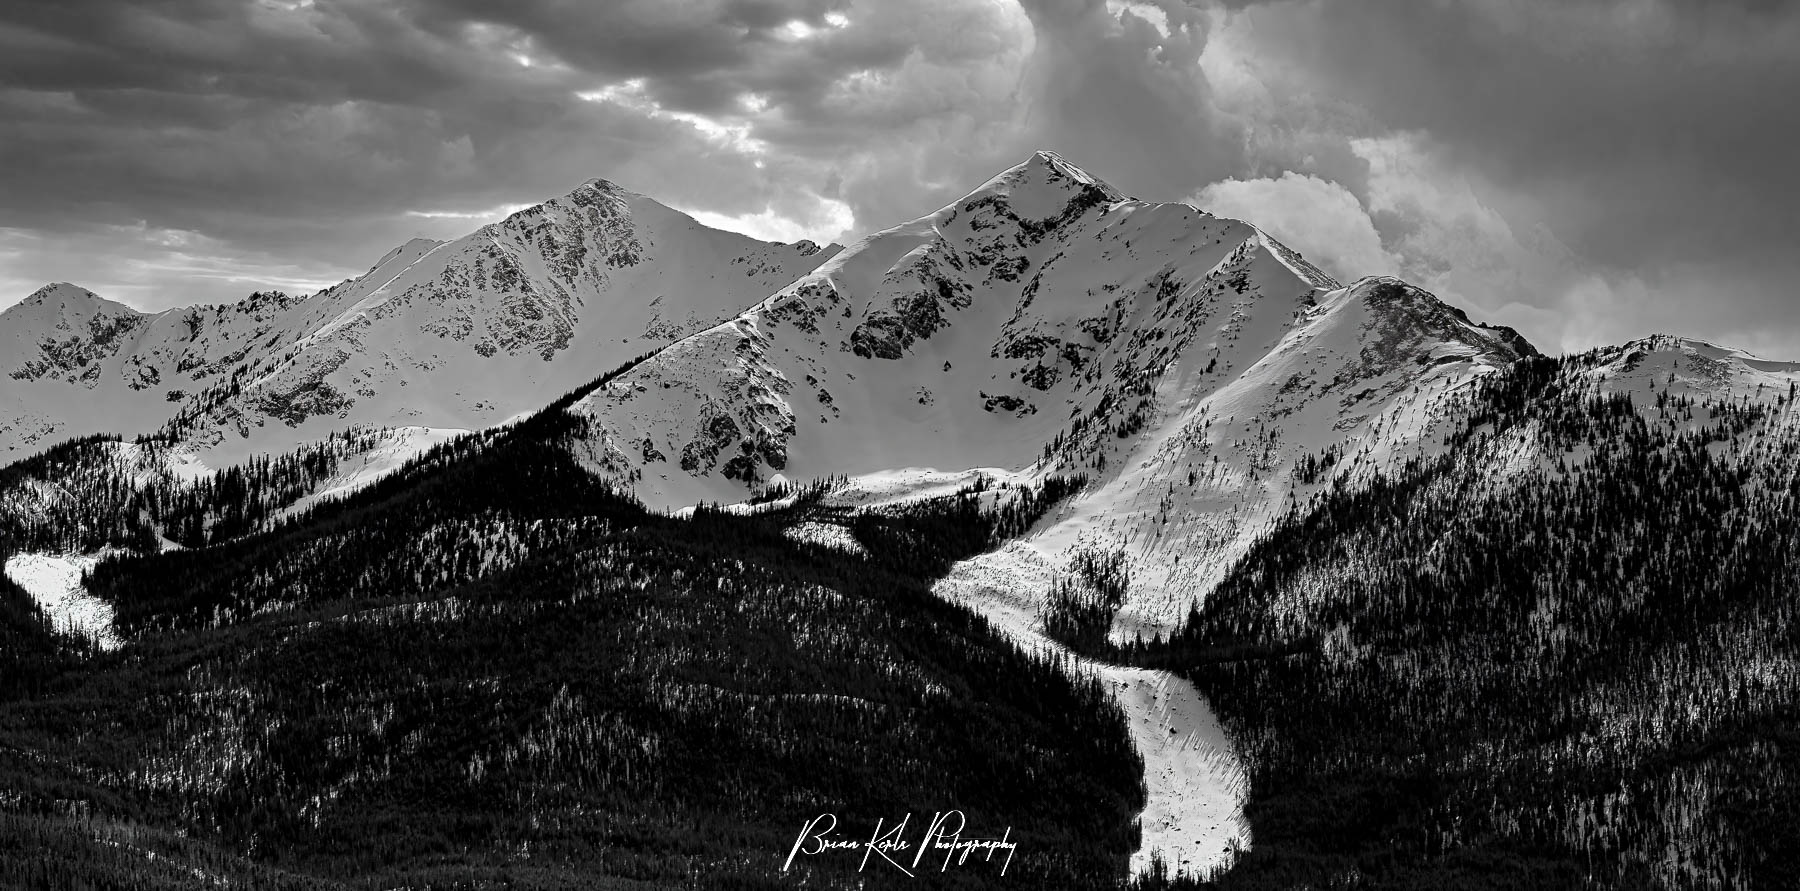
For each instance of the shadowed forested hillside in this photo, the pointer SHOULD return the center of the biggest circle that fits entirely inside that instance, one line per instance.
(492, 671)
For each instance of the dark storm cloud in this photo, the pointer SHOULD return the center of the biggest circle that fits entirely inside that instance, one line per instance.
(1589, 170)
(310, 130)
(1653, 138)
(699, 55)
(1587, 100)
(1130, 95)
(178, 110)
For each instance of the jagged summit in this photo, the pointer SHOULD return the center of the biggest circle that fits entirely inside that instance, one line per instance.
(600, 185)
(1039, 311)
(1409, 305)
(1041, 187)
(1047, 167)
(590, 191)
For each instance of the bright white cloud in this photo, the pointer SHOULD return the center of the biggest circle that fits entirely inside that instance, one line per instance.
(490, 214)
(1146, 11)
(1452, 240)
(1320, 219)
(828, 220)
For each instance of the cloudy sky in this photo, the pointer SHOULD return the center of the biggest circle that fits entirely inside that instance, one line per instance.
(1585, 170)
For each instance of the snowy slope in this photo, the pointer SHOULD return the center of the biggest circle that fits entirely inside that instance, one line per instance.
(64, 488)
(1362, 381)
(1674, 383)
(472, 332)
(1684, 366)
(1047, 323)
(76, 363)
(456, 335)
(966, 338)
(54, 581)
(1193, 817)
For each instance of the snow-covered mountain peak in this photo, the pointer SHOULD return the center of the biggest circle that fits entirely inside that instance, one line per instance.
(63, 293)
(470, 332)
(60, 304)
(1039, 189)
(62, 331)
(1035, 310)
(444, 335)
(1187, 364)
(1046, 166)
(1686, 366)
(603, 186)
(1409, 317)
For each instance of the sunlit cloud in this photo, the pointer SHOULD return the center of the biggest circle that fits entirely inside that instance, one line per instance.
(632, 95)
(1614, 159)
(830, 220)
(1321, 219)
(492, 213)
(1147, 11)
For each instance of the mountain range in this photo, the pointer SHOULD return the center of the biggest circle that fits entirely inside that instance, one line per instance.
(1045, 323)
(1321, 564)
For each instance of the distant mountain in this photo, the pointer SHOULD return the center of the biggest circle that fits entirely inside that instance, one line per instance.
(456, 335)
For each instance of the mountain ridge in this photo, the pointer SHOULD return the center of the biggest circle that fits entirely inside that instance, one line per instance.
(1424, 572)
(272, 371)
(1199, 372)
(1046, 323)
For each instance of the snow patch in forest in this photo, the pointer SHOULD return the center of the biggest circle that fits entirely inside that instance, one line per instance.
(54, 581)
(827, 534)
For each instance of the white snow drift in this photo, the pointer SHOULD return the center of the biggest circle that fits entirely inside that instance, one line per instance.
(54, 581)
